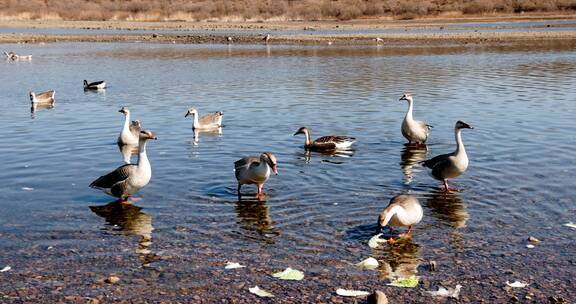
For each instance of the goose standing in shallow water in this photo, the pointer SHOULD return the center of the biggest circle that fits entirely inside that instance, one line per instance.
(403, 210)
(451, 165)
(413, 130)
(130, 178)
(97, 85)
(326, 143)
(44, 98)
(255, 170)
(130, 133)
(209, 121)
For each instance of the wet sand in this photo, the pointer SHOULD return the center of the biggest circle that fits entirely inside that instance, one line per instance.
(309, 33)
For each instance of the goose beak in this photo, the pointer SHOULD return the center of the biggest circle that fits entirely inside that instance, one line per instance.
(297, 132)
(153, 136)
(187, 113)
(275, 169)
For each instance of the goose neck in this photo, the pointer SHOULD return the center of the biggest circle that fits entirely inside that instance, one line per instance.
(410, 108)
(127, 121)
(459, 144)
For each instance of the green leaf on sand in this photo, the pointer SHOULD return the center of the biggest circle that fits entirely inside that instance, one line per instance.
(260, 292)
(289, 274)
(409, 282)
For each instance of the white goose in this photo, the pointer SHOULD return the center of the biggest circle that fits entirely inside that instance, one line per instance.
(210, 121)
(130, 178)
(130, 131)
(44, 98)
(451, 165)
(403, 210)
(413, 130)
(255, 170)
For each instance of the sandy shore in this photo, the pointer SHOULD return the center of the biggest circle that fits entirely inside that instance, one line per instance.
(437, 30)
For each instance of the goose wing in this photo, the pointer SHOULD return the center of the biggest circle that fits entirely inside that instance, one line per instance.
(333, 141)
(245, 164)
(433, 162)
(45, 95)
(95, 83)
(111, 179)
(214, 118)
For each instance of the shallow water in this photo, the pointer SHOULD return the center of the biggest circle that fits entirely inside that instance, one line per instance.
(59, 235)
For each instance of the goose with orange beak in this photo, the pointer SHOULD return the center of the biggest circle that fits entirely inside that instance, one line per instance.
(255, 170)
(130, 178)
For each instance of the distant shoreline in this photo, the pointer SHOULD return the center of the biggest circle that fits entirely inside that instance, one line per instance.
(357, 32)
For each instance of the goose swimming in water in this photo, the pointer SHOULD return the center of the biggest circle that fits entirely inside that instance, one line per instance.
(413, 130)
(326, 143)
(451, 165)
(209, 121)
(403, 210)
(255, 170)
(130, 178)
(130, 133)
(97, 85)
(44, 98)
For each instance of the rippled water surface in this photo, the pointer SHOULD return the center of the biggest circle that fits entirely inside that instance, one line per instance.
(62, 238)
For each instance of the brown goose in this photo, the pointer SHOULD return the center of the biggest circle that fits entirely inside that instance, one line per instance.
(128, 179)
(209, 121)
(255, 170)
(451, 165)
(326, 143)
(44, 98)
(403, 210)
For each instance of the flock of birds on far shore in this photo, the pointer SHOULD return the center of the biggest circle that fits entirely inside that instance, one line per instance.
(403, 210)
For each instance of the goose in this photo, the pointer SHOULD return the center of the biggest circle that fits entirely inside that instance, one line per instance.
(96, 85)
(413, 130)
(9, 55)
(131, 131)
(209, 121)
(44, 98)
(326, 143)
(255, 170)
(378, 40)
(229, 39)
(267, 38)
(403, 210)
(451, 165)
(130, 178)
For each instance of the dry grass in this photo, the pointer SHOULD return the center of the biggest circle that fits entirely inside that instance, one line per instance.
(255, 10)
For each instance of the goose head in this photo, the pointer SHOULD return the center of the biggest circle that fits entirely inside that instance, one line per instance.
(145, 135)
(462, 125)
(32, 96)
(123, 110)
(407, 97)
(302, 130)
(85, 83)
(191, 111)
(270, 159)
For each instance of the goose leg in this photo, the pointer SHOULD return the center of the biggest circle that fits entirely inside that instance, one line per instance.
(391, 240)
(446, 188)
(408, 234)
(260, 191)
(238, 190)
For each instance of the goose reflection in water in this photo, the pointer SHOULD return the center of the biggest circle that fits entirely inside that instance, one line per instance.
(129, 219)
(401, 260)
(412, 155)
(344, 153)
(254, 217)
(447, 207)
(127, 152)
(35, 107)
(212, 133)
